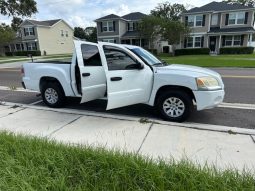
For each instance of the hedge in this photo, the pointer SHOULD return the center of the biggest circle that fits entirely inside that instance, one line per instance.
(237, 50)
(24, 53)
(192, 51)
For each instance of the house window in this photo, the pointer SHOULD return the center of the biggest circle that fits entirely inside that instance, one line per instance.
(194, 42)
(199, 20)
(66, 33)
(189, 42)
(253, 38)
(228, 41)
(29, 31)
(236, 18)
(191, 21)
(107, 26)
(198, 42)
(108, 40)
(195, 21)
(31, 46)
(237, 40)
(62, 33)
(241, 18)
(130, 26)
(233, 40)
(214, 19)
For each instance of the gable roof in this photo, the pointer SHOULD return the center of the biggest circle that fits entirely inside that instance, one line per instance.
(47, 23)
(134, 16)
(218, 7)
(111, 16)
(130, 17)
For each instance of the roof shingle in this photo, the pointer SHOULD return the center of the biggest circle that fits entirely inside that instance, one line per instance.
(44, 23)
(229, 30)
(218, 6)
(134, 16)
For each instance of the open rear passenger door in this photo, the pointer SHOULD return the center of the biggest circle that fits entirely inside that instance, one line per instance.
(129, 80)
(92, 72)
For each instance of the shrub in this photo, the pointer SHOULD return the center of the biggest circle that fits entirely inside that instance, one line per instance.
(237, 50)
(24, 53)
(192, 51)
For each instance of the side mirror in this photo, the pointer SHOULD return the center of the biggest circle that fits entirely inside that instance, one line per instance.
(140, 66)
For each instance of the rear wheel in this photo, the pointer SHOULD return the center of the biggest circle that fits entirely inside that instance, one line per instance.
(175, 105)
(53, 94)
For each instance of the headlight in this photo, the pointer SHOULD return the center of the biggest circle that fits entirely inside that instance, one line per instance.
(208, 83)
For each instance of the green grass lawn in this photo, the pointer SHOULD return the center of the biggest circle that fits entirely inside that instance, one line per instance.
(213, 61)
(34, 164)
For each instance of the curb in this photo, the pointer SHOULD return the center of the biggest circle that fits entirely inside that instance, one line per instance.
(197, 126)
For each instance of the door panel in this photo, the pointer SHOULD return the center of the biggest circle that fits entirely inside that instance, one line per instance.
(125, 84)
(92, 72)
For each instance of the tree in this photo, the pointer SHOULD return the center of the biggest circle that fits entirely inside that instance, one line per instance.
(168, 11)
(79, 33)
(91, 34)
(18, 7)
(16, 21)
(7, 34)
(173, 31)
(243, 2)
(149, 28)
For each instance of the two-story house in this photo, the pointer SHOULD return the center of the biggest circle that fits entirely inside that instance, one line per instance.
(219, 24)
(121, 30)
(49, 37)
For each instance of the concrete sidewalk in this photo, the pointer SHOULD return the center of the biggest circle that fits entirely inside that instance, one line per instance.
(222, 146)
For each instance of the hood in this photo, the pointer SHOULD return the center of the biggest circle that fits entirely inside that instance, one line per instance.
(188, 68)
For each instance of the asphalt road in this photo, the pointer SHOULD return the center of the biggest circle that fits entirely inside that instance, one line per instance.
(239, 87)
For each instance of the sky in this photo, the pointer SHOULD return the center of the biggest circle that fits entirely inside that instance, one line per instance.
(82, 13)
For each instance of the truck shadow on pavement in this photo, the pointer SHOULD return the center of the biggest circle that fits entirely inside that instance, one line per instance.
(216, 116)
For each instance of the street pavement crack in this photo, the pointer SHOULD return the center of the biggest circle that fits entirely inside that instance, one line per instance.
(12, 113)
(63, 126)
(145, 137)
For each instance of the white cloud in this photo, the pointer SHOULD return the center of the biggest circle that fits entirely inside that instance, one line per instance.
(120, 10)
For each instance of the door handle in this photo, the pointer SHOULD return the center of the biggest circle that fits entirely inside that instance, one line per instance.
(116, 78)
(85, 74)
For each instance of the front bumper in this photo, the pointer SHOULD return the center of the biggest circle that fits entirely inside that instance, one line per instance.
(208, 99)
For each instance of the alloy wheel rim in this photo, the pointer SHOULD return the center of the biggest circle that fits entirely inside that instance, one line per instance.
(51, 95)
(174, 107)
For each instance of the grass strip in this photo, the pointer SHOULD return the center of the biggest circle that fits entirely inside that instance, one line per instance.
(39, 164)
(241, 61)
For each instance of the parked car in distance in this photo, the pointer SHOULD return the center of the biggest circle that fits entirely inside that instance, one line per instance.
(125, 75)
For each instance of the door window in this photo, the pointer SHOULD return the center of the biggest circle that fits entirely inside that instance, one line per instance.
(90, 54)
(118, 59)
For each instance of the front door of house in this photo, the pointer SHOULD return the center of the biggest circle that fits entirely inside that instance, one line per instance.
(213, 43)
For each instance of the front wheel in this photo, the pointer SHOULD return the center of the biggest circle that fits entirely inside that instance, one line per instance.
(53, 95)
(175, 105)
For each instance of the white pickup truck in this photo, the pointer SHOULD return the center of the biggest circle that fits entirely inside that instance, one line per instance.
(125, 75)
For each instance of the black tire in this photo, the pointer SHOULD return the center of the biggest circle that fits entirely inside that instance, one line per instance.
(60, 101)
(181, 95)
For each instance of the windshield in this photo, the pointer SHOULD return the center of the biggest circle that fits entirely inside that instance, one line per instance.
(146, 56)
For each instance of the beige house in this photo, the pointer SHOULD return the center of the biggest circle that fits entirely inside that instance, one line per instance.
(219, 24)
(49, 37)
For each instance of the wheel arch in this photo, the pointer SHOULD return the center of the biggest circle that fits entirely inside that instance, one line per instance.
(47, 79)
(174, 88)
